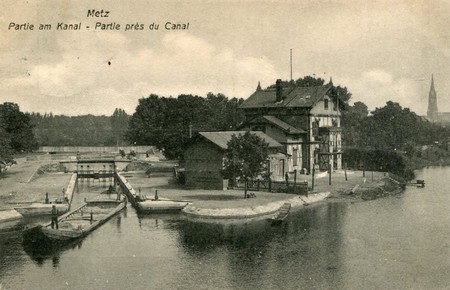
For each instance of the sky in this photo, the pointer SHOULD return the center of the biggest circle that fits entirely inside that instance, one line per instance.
(379, 50)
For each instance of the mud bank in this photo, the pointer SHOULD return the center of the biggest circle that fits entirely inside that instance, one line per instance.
(386, 186)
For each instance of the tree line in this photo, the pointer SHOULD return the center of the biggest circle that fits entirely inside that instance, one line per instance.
(370, 139)
(85, 130)
(168, 123)
(390, 138)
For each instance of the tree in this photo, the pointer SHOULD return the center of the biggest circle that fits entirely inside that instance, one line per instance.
(351, 122)
(17, 127)
(5, 148)
(245, 157)
(119, 125)
(168, 122)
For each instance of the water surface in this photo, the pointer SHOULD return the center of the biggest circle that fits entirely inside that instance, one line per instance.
(399, 242)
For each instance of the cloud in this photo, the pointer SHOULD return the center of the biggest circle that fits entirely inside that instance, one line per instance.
(103, 73)
(375, 87)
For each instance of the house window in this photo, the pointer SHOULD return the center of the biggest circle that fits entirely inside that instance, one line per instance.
(334, 106)
(325, 104)
(295, 156)
(315, 129)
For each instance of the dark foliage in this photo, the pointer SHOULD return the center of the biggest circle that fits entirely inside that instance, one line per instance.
(388, 139)
(378, 160)
(168, 122)
(245, 156)
(86, 130)
(16, 131)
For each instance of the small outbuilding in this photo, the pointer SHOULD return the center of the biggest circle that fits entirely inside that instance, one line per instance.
(204, 158)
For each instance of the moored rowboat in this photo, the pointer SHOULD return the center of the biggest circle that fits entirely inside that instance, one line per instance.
(281, 214)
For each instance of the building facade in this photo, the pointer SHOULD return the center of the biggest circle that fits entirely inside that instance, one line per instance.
(305, 120)
(204, 158)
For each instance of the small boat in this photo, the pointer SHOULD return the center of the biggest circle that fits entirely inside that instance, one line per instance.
(281, 214)
(76, 223)
(417, 183)
(36, 208)
(160, 205)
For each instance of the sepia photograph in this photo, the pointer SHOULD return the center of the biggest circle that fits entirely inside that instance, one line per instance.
(234, 144)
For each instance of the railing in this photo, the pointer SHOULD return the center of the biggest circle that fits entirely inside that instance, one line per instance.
(274, 186)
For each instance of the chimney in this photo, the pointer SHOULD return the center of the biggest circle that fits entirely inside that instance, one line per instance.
(279, 90)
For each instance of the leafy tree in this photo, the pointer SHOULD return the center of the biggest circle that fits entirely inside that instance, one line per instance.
(245, 157)
(85, 130)
(5, 148)
(388, 139)
(119, 125)
(392, 128)
(168, 122)
(351, 122)
(17, 127)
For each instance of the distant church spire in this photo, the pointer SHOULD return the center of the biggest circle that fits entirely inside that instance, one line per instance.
(331, 81)
(258, 88)
(432, 102)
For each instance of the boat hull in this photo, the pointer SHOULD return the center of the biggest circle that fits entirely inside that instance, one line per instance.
(281, 214)
(41, 209)
(61, 235)
(72, 225)
(160, 206)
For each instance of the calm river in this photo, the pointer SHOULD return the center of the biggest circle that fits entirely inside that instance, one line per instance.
(398, 242)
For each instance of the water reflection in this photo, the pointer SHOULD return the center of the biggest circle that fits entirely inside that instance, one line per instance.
(45, 250)
(198, 236)
(382, 244)
(303, 250)
(10, 249)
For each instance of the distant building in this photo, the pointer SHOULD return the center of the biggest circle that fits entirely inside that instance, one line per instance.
(204, 158)
(433, 114)
(305, 120)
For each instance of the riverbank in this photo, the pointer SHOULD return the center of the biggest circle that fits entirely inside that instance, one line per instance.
(253, 211)
(230, 204)
(26, 182)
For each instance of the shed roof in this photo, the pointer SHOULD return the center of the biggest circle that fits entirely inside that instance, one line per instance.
(221, 138)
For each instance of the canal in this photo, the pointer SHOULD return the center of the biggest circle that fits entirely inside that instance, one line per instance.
(399, 242)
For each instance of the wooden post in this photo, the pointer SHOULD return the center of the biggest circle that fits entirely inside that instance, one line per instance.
(345, 171)
(313, 173)
(329, 174)
(372, 175)
(270, 184)
(295, 179)
(245, 188)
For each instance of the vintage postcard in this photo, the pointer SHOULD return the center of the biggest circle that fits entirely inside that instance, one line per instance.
(234, 144)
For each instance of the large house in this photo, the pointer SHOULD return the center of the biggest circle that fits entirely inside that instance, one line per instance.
(305, 120)
(204, 158)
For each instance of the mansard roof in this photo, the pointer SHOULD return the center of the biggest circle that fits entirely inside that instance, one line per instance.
(292, 97)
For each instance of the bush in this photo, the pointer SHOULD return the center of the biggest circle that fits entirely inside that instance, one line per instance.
(378, 160)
